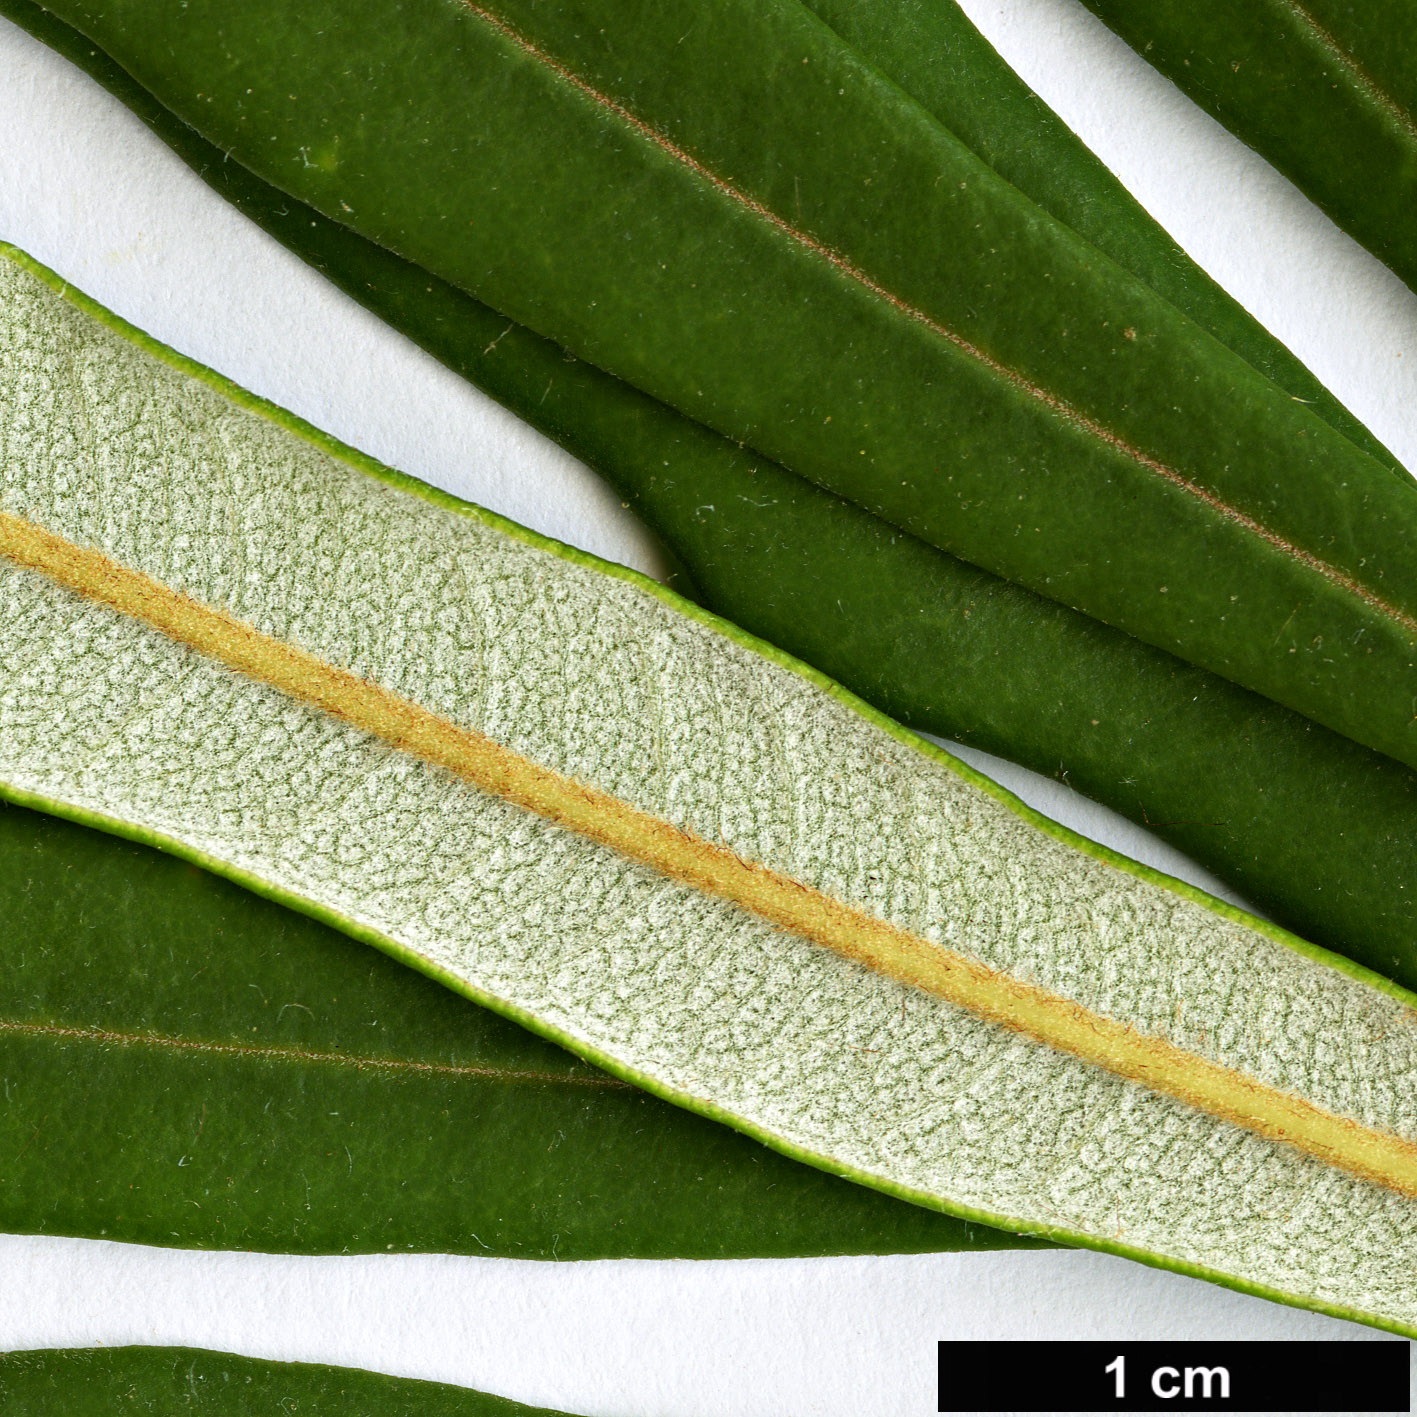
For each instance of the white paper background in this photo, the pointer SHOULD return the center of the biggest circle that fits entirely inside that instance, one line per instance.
(86, 189)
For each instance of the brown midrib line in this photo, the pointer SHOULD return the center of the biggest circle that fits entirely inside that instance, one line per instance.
(277, 1053)
(780, 900)
(1361, 77)
(840, 263)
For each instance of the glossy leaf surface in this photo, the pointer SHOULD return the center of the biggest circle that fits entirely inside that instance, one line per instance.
(1326, 90)
(166, 1382)
(564, 792)
(933, 642)
(859, 297)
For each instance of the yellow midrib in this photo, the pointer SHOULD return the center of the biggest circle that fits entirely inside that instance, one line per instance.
(1035, 1012)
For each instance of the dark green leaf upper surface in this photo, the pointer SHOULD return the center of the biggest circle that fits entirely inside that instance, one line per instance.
(166, 1382)
(1326, 90)
(931, 50)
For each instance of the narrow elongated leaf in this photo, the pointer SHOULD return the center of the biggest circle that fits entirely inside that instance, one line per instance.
(165, 1382)
(860, 298)
(1325, 89)
(185, 1063)
(935, 643)
(930, 49)
(221, 1072)
(569, 795)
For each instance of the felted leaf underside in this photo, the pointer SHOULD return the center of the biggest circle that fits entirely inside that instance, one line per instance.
(600, 678)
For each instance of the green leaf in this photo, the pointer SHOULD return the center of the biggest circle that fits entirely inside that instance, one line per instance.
(185, 1037)
(564, 792)
(186, 1063)
(932, 51)
(860, 298)
(932, 642)
(165, 1382)
(1326, 90)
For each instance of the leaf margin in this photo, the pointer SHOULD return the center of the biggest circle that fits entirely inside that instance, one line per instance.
(404, 483)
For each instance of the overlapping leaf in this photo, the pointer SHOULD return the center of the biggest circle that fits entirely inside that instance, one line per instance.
(937, 644)
(1326, 90)
(186, 1063)
(854, 294)
(561, 791)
